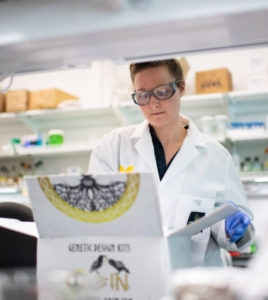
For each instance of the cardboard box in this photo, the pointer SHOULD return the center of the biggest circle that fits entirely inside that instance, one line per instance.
(185, 66)
(119, 251)
(213, 81)
(49, 98)
(2, 103)
(17, 100)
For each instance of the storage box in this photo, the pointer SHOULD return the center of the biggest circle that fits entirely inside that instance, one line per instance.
(114, 252)
(17, 100)
(2, 103)
(101, 236)
(213, 81)
(49, 98)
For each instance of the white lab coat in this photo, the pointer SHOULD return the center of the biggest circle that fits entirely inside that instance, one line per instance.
(201, 178)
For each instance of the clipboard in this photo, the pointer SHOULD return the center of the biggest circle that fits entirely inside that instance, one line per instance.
(204, 222)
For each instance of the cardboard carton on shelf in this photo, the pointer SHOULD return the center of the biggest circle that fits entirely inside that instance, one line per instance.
(2, 102)
(17, 100)
(49, 98)
(213, 81)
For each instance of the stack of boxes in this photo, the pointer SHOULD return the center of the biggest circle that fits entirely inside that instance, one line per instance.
(21, 100)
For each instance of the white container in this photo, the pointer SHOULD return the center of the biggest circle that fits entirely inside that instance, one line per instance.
(221, 123)
(207, 124)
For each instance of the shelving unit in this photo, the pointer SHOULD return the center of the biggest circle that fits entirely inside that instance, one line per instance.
(233, 104)
(238, 103)
(246, 139)
(196, 106)
(9, 190)
(38, 120)
(68, 119)
(258, 177)
(129, 113)
(6, 155)
(248, 104)
(44, 151)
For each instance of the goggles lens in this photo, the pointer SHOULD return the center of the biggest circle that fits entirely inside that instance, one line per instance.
(161, 92)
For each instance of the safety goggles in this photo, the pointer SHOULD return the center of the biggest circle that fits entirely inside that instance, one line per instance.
(161, 92)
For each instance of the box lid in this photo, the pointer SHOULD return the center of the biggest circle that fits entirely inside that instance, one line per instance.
(118, 204)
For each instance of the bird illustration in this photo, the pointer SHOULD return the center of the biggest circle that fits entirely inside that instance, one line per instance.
(89, 195)
(97, 263)
(118, 265)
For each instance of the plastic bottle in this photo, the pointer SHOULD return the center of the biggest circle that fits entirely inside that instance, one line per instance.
(265, 161)
(236, 160)
(248, 166)
(256, 165)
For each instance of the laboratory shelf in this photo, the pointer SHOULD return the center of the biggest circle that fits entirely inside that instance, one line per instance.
(248, 96)
(193, 106)
(70, 117)
(125, 113)
(129, 113)
(5, 190)
(251, 103)
(42, 151)
(248, 138)
(196, 106)
(203, 100)
(6, 155)
(9, 120)
(257, 177)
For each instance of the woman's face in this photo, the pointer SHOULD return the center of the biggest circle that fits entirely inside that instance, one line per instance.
(159, 113)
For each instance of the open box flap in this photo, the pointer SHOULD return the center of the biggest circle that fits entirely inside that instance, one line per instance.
(122, 204)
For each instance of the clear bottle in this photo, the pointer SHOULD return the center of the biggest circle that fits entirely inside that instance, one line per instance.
(256, 165)
(265, 161)
(248, 166)
(236, 160)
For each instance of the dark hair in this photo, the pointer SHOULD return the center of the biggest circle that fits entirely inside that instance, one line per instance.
(173, 66)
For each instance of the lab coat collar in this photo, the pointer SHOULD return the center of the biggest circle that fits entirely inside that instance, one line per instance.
(188, 151)
(142, 141)
(199, 140)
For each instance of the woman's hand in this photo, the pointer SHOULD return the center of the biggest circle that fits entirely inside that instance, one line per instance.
(236, 225)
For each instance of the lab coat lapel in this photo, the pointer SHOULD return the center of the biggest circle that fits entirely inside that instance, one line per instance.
(187, 153)
(142, 141)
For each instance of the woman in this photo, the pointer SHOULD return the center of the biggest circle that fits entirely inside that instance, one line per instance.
(194, 174)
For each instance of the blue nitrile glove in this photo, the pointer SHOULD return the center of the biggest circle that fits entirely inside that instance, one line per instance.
(236, 225)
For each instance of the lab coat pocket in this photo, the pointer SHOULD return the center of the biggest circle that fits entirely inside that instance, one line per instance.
(189, 209)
